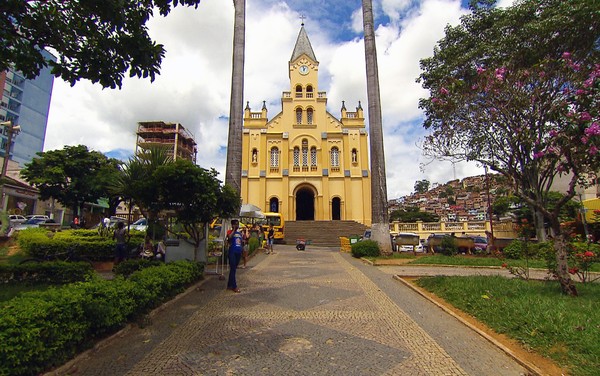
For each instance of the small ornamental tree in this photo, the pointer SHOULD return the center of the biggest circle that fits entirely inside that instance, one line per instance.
(195, 195)
(521, 103)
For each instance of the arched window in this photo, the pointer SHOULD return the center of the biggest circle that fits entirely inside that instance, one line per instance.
(304, 154)
(298, 116)
(274, 157)
(309, 91)
(335, 158)
(309, 116)
(274, 205)
(313, 158)
(296, 157)
(298, 91)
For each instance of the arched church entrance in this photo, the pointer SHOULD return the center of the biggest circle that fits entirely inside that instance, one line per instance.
(336, 209)
(305, 204)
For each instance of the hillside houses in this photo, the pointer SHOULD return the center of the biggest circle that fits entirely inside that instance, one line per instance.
(456, 201)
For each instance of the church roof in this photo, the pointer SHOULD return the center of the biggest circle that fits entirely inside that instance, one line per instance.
(303, 46)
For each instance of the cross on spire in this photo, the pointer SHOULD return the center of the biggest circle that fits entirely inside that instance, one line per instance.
(302, 17)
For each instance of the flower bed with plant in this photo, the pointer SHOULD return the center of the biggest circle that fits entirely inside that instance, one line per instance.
(37, 242)
(41, 330)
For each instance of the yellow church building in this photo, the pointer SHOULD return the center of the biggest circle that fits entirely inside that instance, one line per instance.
(304, 162)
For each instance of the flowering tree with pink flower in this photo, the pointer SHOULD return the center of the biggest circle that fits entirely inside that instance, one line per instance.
(525, 104)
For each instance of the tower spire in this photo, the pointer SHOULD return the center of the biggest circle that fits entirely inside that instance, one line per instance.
(303, 46)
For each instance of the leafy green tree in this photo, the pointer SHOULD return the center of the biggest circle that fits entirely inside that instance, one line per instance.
(422, 186)
(411, 215)
(135, 183)
(96, 40)
(514, 92)
(195, 195)
(72, 176)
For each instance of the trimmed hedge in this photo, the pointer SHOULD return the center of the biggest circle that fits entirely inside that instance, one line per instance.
(38, 242)
(41, 330)
(365, 248)
(54, 273)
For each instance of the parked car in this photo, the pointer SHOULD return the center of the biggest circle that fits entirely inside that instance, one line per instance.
(405, 241)
(480, 244)
(37, 216)
(139, 225)
(16, 219)
(113, 222)
(34, 222)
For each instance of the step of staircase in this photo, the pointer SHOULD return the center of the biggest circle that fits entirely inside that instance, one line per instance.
(322, 233)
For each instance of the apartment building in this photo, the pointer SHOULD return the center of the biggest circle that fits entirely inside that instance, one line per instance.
(179, 141)
(26, 103)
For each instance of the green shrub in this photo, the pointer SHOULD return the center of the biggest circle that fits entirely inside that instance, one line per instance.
(85, 243)
(519, 249)
(448, 247)
(514, 250)
(365, 248)
(128, 267)
(39, 330)
(54, 273)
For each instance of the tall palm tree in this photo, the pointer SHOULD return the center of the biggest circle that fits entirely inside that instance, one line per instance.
(380, 227)
(233, 169)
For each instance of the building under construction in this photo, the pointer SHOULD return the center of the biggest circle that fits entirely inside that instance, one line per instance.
(174, 136)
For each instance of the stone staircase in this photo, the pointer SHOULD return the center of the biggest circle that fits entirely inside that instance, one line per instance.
(321, 233)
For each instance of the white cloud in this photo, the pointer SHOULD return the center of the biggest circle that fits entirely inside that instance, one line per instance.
(195, 81)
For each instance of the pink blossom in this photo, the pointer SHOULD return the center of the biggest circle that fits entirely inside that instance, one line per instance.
(500, 73)
(593, 150)
(435, 100)
(474, 87)
(553, 133)
(444, 91)
(542, 74)
(585, 116)
(584, 140)
(589, 82)
(580, 92)
(592, 130)
(539, 154)
(566, 55)
(480, 70)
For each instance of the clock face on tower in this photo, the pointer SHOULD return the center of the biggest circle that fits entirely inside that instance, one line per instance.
(303, 69)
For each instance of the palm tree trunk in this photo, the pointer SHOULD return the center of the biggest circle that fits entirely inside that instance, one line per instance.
(233, 169)
(380, 227)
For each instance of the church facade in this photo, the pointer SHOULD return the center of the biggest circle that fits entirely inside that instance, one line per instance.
(304, 162)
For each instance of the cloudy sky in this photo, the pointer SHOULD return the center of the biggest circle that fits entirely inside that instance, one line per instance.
(194, 86)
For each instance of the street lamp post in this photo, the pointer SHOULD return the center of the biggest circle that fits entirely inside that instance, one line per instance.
(12, 130)
(489, 207)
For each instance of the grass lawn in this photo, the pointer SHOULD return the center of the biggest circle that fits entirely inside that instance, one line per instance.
(566, 329)
(467, 261)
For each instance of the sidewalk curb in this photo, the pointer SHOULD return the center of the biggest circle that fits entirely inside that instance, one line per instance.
(68, 367)
(506, 350)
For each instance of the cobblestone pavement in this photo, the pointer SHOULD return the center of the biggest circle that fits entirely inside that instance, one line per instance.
(316, 312)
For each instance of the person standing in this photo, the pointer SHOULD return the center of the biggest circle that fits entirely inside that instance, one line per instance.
(270, 239)
(121, 236)
(234, 254)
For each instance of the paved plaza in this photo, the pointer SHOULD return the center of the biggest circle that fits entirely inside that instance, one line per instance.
(316, 312)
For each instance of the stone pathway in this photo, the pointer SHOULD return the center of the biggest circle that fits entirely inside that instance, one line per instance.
(316, 312)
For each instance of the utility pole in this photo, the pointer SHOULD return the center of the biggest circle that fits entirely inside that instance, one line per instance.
(12, 130)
